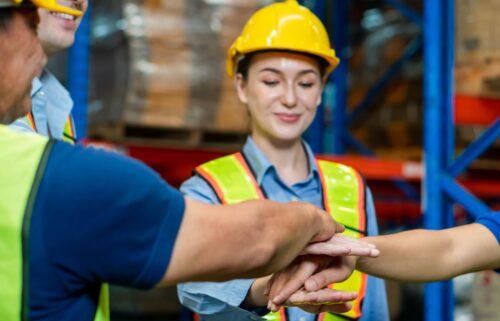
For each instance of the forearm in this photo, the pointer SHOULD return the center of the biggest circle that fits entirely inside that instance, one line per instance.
(255, 297)
(247, 240)
(412, 256)
(424, 255)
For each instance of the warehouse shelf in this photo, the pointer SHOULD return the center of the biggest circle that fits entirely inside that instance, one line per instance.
(473, 110)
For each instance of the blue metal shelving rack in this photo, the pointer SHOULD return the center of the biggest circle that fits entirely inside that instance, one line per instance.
(441, 190)
(438, 138)
(78, 74)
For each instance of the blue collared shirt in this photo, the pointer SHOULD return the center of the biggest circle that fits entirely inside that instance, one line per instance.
(221, 301)
(51, 107)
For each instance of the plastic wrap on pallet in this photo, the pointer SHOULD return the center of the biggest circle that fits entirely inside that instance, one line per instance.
(177, 63)
(381, 36)
(478, 48)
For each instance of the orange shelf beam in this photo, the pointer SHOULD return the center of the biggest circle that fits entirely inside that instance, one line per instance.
(474, 110)
(380, 169)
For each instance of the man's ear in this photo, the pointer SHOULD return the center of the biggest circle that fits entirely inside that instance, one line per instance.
(240, 83)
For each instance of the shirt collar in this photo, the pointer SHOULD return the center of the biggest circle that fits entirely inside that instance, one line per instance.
(261, 165)
(36, 85)
(56, 98)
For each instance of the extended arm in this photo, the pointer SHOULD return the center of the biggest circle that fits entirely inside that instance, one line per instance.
(250, 239)
(421, 256)
(424, 255)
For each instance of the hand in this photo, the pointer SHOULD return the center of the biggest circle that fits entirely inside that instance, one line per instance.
(326, 226)
(298, 274)
(324, 300)
(342, 245)
(291, 279)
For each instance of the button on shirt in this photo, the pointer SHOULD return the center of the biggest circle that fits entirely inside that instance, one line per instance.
(51, 107)
(221, 301)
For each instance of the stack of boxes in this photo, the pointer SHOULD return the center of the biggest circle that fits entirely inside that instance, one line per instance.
(177, 64)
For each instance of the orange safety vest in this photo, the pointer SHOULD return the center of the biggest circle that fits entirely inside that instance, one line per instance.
(343, 193)
(69, 133)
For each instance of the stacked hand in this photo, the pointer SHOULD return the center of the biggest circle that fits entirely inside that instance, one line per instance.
(304, 282)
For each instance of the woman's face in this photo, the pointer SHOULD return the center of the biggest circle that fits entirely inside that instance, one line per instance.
(282, 91)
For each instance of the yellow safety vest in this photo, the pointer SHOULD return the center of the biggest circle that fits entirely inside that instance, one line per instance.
(343, 192)
(23, 158)
(69, 133)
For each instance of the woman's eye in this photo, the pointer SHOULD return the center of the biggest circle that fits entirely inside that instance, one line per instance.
(270, 82)
(306, 84)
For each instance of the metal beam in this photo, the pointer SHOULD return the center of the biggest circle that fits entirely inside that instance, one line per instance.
(438, 138)
(78, 74)
(475, 149)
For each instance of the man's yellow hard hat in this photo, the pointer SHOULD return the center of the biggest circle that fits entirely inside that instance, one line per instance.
(283, 26)
(51, 5)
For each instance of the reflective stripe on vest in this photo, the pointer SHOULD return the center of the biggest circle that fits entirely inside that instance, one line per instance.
(231, 179)
(343, 197)
(18, 188)
(69, 133)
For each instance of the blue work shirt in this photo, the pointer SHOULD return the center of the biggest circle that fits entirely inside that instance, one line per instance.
(97, 217)
(222, 301)
(51, 107)
(492, 222)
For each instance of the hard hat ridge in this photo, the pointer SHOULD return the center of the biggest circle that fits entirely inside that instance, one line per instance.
(283, 26)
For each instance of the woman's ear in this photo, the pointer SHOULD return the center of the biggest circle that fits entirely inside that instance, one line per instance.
(241, 88)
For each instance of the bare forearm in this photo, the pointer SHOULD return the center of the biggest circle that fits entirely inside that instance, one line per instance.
(247, 240)
(255, 297)
(411, 256)
(423, 255)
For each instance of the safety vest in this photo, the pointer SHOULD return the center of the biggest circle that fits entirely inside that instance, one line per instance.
(343, 192)
(69, 133)
(23, 159)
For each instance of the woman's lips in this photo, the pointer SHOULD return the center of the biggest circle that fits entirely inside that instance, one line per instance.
(288, 118)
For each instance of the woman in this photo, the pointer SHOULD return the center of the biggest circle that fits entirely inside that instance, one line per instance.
(280, 63)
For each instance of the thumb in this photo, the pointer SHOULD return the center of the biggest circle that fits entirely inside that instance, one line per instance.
(324, 278)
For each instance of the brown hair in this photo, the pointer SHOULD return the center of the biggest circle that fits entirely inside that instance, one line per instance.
(243, 64)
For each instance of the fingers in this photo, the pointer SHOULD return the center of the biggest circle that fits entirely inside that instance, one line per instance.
(326, 248)
(335, 308)
(323, 278)
(280, 292)
(339, 228)
(325, 300)
(342, 245)
(321, 297)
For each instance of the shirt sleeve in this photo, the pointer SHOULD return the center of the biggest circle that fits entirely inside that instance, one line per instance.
(492, 222)
(218, 301)
(375, 305)
(106, 218)
(371, 217)
(198, 189)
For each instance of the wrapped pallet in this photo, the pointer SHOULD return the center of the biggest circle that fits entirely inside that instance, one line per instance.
(175, 70)
(478, 48)
(177, 52)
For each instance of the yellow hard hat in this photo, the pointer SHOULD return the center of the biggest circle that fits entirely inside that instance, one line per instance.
(51, 5)
(283, 26)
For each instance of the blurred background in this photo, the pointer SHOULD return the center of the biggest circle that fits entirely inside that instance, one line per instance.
(148, 78)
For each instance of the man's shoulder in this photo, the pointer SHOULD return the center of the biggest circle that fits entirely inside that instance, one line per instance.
(492, 222)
